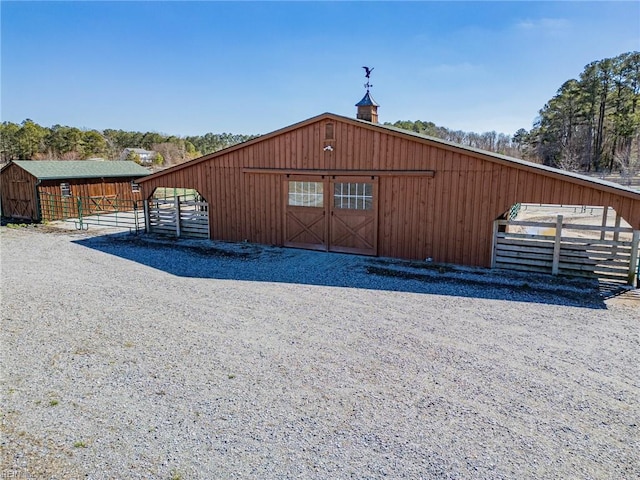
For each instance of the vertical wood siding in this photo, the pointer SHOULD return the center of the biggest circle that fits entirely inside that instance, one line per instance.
(448, 217)
(18, 193)
(93, 187)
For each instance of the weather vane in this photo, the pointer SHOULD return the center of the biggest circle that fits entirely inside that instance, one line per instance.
(367, 74)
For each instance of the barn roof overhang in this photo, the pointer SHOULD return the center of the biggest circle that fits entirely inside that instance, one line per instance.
(436, 142)
(76, 169)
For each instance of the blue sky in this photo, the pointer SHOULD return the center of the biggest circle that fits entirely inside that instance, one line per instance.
(188, 68)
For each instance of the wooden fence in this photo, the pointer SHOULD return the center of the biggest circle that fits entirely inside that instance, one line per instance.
(179, 216)
(609, 253)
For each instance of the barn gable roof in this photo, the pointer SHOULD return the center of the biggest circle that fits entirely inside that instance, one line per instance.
(437, 142)
(58, 170)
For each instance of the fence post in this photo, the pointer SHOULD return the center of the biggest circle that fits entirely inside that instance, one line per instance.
(177, 204)
(605, 214)
(633, 261)
(135, 216)
(556, 247)
(147, 222)
(616, 234)
(80, 212)
(115, 204)
(494, 244)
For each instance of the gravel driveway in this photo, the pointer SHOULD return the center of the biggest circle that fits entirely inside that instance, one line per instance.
(132, 358)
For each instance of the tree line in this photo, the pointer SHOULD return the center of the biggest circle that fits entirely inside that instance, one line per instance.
(592, 124)
(28, 140)
(489, 141)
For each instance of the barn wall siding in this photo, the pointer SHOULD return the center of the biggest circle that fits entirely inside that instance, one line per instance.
(93, 187)
(18, 193)
(448, 217)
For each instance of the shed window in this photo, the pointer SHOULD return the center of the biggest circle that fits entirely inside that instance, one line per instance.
(135, 188)
(354, 196)
(328, 131)
(306, 194)
(65, 189)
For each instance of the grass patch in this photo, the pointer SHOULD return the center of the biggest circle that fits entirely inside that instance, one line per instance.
(80, 444)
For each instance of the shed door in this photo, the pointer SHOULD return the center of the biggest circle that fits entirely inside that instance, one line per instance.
(305, 219)
(354, 215)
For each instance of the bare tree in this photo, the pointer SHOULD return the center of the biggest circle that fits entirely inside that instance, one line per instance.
(173, 153)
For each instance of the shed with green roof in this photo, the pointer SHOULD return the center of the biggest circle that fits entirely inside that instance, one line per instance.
(25, 184)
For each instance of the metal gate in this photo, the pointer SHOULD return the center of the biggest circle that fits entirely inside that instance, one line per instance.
(103, 211)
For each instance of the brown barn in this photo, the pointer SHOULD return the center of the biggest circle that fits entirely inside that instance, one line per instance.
(50, 190)
(351, 185)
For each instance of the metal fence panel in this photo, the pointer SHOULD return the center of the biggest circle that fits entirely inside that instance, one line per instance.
(104, 211)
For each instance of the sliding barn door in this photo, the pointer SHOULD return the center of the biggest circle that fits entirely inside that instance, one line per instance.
(305, 218)
(337, 214)
(354, 215)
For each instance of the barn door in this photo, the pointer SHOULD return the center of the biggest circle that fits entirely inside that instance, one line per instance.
(19, 208)
(337, 214)
(305, 218)
(354, 215)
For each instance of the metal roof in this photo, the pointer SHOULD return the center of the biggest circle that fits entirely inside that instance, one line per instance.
(62, 169)
(367, 101)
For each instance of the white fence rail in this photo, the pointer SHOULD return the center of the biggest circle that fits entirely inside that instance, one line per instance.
(178, 216)
(556, 252)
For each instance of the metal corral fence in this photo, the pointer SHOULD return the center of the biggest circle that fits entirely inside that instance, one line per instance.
(104, 211)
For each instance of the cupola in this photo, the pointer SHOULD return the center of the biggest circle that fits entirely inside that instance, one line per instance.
(367, 107)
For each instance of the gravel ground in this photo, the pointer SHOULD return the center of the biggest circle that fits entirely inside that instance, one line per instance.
(128, 357)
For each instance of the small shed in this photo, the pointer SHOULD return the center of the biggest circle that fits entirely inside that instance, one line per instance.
(48, 190)
(340, 184)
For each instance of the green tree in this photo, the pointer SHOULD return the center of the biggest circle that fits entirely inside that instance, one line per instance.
(592, 123)
(8, 141)
(93, 144)
(191, 150)
(64, 142)
(158, 159)
(134, 157)
(150, 138)
(30, 139)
